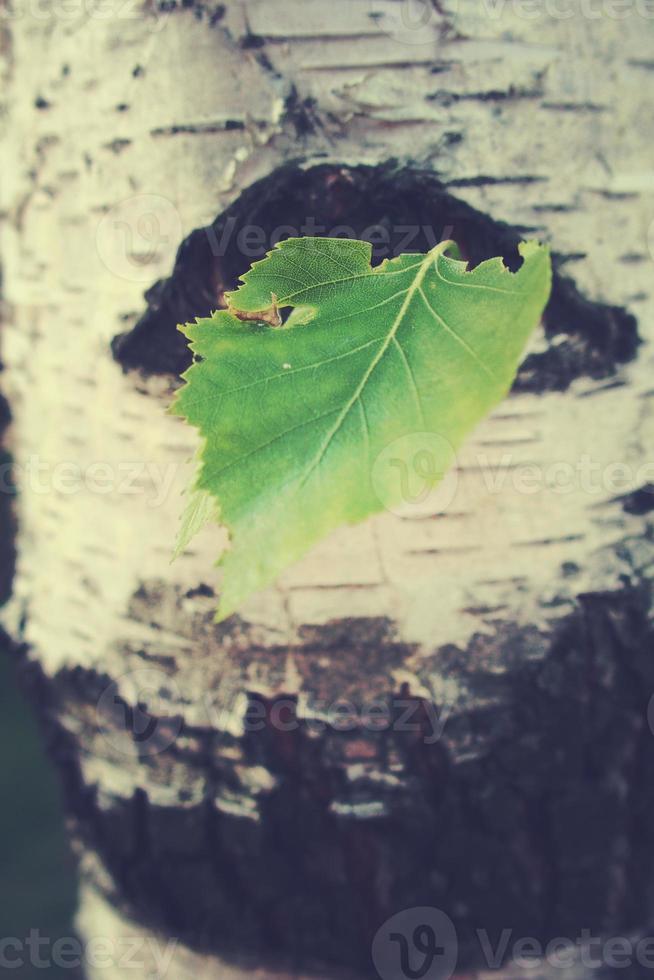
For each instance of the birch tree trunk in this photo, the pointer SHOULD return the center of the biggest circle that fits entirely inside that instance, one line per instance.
(446, 711)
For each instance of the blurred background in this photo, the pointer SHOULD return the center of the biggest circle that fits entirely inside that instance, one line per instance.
(37, 883)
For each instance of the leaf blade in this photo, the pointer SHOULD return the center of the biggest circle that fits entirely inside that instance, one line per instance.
(417, 343)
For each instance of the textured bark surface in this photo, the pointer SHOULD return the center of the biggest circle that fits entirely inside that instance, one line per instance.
(513, 632)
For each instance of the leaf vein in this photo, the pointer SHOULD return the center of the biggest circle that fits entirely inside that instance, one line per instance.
(412, 379)
(333, 282)
(466, 346)
(212, 474)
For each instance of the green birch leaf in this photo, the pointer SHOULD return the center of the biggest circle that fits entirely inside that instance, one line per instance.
(294, 419)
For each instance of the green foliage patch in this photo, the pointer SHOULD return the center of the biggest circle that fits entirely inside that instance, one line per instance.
(293, 417)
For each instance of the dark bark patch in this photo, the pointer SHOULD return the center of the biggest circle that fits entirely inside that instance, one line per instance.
(118, 145)
(397, 210)
(640, 502)
(588, 339)
(531, 811)
(301, 113)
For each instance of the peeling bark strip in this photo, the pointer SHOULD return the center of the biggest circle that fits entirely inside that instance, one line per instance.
(397, 210)
(521, 616)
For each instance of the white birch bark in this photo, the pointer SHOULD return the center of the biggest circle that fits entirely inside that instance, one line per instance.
(125, 128)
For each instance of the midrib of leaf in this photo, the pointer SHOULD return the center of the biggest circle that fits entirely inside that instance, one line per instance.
(410, 293)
